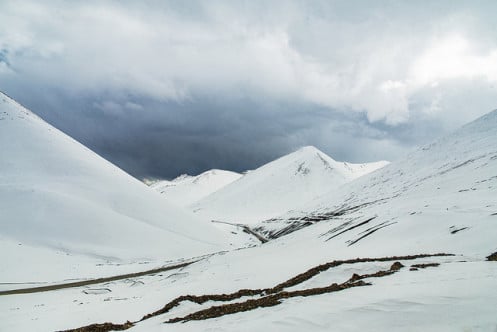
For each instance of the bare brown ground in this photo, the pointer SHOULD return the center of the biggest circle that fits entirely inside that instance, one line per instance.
(269, 296)
(415, 267)
(492, 257)
(104, 327)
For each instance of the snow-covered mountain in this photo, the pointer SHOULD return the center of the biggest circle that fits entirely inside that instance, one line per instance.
(338, 272)
(283, 184)
(57, 194)
(439, 193)
(358, 258)
(186, 190)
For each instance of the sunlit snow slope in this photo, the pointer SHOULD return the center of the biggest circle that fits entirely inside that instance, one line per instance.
(279, 186)
(186, 190)
(56, 193)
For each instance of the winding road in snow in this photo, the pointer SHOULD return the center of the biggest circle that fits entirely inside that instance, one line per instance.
(93, 281)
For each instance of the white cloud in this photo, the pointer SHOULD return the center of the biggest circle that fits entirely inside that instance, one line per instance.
(360, 59)
(454, 57)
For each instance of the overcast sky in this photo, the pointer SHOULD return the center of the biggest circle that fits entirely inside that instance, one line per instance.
(163, 88)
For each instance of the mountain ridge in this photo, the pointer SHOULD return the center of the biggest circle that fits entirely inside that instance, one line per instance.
(279, 186)
(188, 189)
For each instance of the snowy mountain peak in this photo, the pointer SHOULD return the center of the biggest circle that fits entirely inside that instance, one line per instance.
(201, 177)
(278, 186)
(309, 149)
(182, 177)
(211, 174)
(186, 189)
(302, 161)
(309, 152)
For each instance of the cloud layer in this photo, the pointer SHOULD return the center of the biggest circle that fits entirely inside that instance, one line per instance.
(391, 64)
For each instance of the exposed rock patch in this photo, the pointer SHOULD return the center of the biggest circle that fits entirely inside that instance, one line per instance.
(492, 257)
(104, 327)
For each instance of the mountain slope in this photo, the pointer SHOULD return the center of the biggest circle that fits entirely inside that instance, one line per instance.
(432, 198)
(438, 199)
(280, 185)
(56, 193)
(186, 190)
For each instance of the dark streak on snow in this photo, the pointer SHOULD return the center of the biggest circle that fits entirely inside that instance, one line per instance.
(351, 228)
(371, 231)
(454, 230)
(297, 223)
(246, 229)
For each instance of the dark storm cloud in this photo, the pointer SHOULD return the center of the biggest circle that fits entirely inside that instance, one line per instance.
(161, 88)
(150, 138)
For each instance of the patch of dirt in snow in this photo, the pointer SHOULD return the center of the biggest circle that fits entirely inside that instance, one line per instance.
(267, 297)
(105, 327)
(416, 267)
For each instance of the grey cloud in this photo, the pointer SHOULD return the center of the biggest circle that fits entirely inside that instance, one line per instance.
(165, 139)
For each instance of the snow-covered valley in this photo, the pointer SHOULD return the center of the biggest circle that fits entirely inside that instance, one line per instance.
(335, 233)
